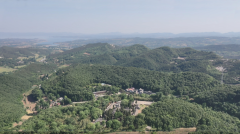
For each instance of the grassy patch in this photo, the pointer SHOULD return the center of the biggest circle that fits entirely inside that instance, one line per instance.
(6, 69)
(20, 66)
(21, 58)
(40, 58)
(62, 66)
(36, 56)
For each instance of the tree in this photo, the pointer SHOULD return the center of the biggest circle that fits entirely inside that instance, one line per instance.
(116, 124)
(37, 93)
(118, 114)
(97, 125)
(67, 100)
(91, 126)
(109, 124)
(103, 123)
(124, 103)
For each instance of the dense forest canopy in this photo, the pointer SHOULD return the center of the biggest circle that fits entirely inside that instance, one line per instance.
(71, 80)
(163, 59)
(174, 113)
(82, 52)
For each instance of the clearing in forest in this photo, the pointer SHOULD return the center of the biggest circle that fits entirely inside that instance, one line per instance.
(86, 53)
(29, 104)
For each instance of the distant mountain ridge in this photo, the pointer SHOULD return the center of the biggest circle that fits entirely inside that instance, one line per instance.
(117, 35)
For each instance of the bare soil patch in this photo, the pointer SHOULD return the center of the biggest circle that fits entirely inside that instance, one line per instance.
(29, 103)
(87, 53)
(220, 69)
(25, 117)
(19, 123)
(140, 110)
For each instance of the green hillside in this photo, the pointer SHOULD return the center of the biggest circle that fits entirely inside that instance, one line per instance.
(224, 98)
(174, 113)
(12, 87)
(229, 51)
(11, 52)
(163, 59)
(160, 59)
(73, 55)
(171, 59)
(11, 57)
(119, 55)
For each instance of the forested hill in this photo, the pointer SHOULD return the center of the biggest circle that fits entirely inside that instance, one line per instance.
(119, 55)
(230, 51)
(164, 59)
(11, 52)
(82, 52)
(72, 80)
(173, 113)
(12, 87)
(159, 59)
(172, 59)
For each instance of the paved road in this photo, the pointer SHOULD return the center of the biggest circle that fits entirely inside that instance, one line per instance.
(80, 102)
(143, 102)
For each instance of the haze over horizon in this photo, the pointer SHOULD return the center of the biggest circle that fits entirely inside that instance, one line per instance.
(123, 16)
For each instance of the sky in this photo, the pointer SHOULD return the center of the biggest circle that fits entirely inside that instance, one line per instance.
(124, 16)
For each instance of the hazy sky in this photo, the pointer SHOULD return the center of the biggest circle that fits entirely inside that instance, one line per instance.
(126, 16)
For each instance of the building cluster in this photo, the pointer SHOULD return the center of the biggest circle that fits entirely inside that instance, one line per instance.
(57, 102)
(138, 91)
(99, 93)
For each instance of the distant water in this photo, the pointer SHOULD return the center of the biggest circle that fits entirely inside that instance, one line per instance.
(52, 40)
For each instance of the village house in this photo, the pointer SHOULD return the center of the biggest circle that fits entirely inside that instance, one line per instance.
(20, 62)
(132, 90)
(141, 91)
(148, 92)
(60, 99)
